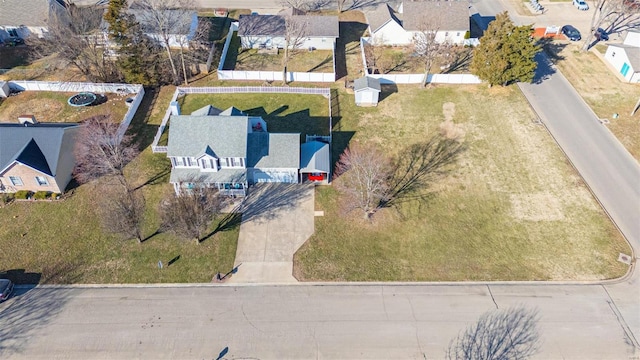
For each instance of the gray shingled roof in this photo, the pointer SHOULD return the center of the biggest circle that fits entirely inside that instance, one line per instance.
(366, 83)
(39, 146)
(380, 16)
(26, 12)
(225, 135)
(222, 175)
(273, 150)
(633, 53)
(274, 25)
(207, 111)
(257, 25)
(449, 15)
(315, 157)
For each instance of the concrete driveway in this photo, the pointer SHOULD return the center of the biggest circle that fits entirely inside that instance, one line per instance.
(276, 220)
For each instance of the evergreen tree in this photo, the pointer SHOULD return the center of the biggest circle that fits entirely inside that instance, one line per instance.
(118, 21)
(506, 53)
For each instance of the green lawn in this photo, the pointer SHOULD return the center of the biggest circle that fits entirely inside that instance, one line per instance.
(288, 113)
(64, 242)
(511, 209)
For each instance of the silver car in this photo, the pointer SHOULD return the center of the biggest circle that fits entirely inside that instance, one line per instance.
(581, 5)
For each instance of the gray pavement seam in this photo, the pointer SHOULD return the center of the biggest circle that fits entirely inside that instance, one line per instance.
(621, 321)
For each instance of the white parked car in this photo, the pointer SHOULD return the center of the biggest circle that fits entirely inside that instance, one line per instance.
(581, 4)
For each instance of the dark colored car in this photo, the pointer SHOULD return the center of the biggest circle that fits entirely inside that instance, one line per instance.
(13, 41)
(6, 289)
(601, 35)
(571, 33)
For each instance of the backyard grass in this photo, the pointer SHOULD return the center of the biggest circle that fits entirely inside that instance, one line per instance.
(288, 113)
(511, 209)
(353, 25)
(64, 242)
(605, 92)
(49, 106)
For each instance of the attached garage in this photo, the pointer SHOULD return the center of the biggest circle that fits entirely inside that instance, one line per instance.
(315, 162)
(275, 175)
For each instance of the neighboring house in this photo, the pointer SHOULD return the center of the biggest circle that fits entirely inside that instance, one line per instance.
(268, 31)
(625, 57)
(182, 25)
(367, 91)
(229, 150)
(36, 157)
(449, 18)
(24, 18)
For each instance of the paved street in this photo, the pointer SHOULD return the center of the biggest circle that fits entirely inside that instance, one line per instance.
(297, 322)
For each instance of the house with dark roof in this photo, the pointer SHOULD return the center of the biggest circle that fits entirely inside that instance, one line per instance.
(37, 157)
(268, 31)
(24, 18)
(625, 57)
(229, 150)
(449, 18)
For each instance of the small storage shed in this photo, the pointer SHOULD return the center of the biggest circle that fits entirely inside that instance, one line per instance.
(4, 89)
(315, 162)
(367, 90)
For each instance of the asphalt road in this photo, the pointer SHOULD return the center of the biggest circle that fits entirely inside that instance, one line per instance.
(297, 322)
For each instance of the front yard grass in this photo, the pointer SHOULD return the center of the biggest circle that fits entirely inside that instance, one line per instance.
(511, 209)
(288, 113)
(64, 242)
(605, 93)
(50, 106)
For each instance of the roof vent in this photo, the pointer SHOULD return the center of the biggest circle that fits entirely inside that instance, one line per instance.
(27, 119)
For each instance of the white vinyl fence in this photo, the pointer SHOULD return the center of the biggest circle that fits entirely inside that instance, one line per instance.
(416, 78)
(326, 92)
(269, 75)
(57, 86)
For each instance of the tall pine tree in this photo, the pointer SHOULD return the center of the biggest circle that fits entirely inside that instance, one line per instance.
(505, 54)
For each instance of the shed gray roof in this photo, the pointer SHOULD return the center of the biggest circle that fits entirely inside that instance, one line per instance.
(273, 150)
(448, 15)
(380, 15)
(226, 136)
(27, 12)
(274, 25)
(633, 53)
(41, 146)
(221, 176)
(315, 157)
(366, 83)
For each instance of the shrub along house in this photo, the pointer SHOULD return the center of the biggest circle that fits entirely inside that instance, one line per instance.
(229, 150)
(36, 156)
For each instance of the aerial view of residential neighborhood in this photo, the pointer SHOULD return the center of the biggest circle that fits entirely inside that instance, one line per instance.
(319, 179)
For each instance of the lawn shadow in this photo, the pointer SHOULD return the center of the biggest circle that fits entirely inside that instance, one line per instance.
(552, 48)
(387, 90)
(350, 32)
(339, 142)
(545, 68)
(326, 60)
(140, 129)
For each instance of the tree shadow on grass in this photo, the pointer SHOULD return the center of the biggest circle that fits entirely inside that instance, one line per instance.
(262, 204)
(140, 129)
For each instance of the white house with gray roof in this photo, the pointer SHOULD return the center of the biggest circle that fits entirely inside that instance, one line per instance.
(625, 57)
(268, 31)
(449, 18)
(230, 151)
(24, 18)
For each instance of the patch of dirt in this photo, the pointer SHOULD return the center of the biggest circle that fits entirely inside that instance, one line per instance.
(536, 207)
(43, 109)
(448, 128)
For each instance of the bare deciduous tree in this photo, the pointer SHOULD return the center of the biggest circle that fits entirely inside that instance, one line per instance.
(296, 29)
(499, 334)
(75, 36)
(613, 16)
(123, 213)
(190, 213)
(363, 173)
(427, 47)
(166, 18)
(101, 151)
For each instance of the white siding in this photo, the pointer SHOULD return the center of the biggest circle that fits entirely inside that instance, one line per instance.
(23, 31)
(319, 43)
(254, 42)
(391, 33)
(617, 57)
(283, 175)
